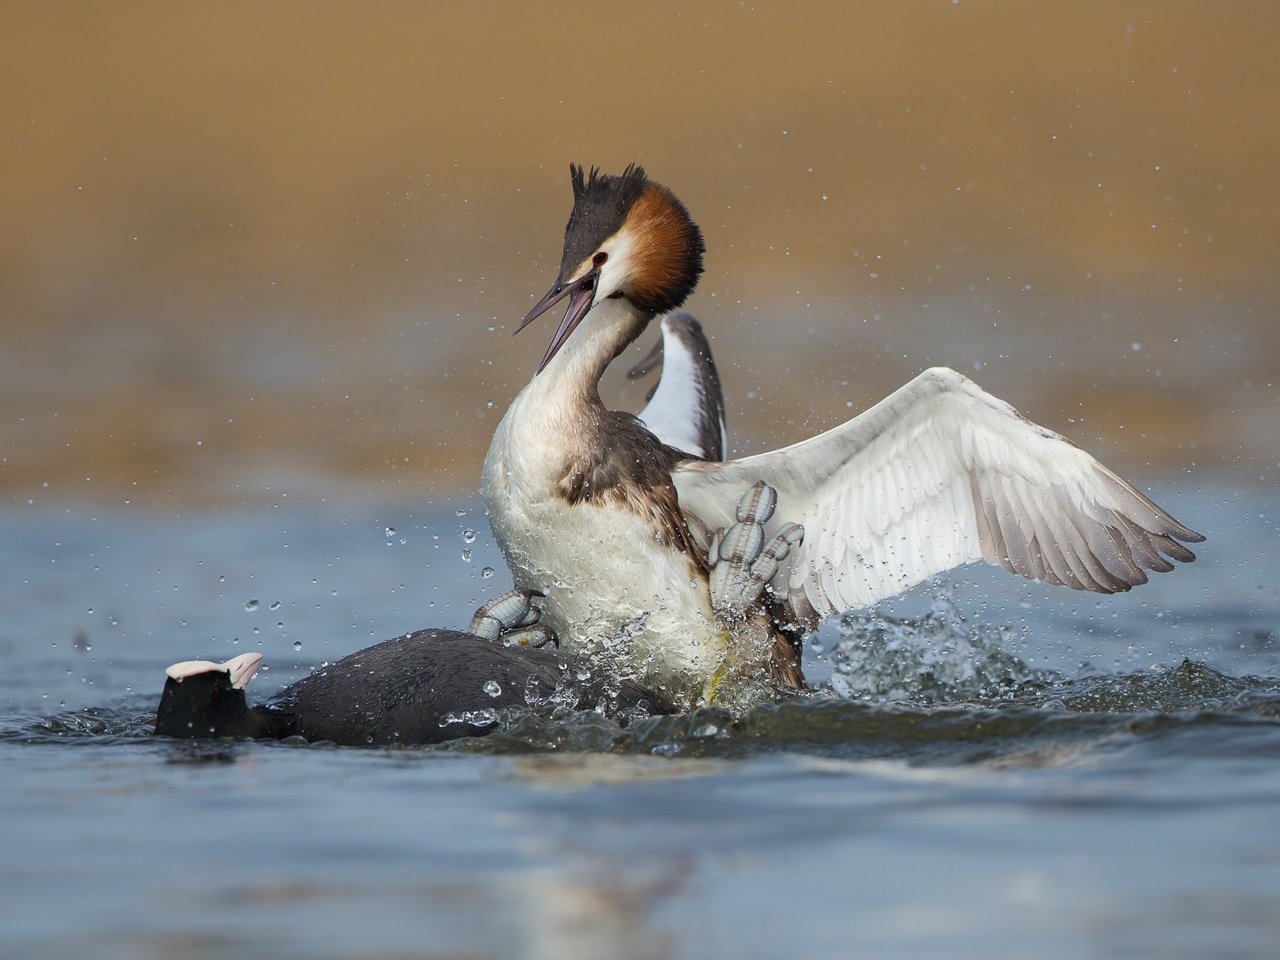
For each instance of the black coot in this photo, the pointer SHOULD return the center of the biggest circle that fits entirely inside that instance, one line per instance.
(399, 691)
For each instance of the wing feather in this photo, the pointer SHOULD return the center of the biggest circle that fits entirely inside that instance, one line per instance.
(686, 408)
(1118, 558)
(938, 474)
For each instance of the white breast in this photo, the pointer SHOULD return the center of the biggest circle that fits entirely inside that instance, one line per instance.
(612, 589)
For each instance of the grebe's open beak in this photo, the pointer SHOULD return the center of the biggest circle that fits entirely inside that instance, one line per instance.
(580, 293)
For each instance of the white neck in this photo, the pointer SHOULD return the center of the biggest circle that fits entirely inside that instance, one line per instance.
(572, 377)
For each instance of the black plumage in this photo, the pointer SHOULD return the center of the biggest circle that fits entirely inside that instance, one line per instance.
(413, 689)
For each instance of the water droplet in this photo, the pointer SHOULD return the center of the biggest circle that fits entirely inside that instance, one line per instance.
(477, 718)
(459, 512)
(466, 556)
(492, 688)
(297, 645)
(250, 606)
(275, 605)
(487, 572)
(468, 536)
(390, 532)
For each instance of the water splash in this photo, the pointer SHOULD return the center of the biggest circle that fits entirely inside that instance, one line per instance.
(486, 717)
(1185, 708)
(936, 658)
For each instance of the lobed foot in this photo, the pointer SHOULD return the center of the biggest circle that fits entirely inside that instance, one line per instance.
(742, 564)
(513, 619)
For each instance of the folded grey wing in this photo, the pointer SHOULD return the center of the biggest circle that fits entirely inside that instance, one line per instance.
(686, 407)
(939, 474)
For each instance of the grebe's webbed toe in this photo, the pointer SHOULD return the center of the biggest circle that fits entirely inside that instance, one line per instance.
(742, 563)
(513, 618)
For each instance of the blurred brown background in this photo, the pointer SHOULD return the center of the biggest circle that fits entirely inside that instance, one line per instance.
(249, 248)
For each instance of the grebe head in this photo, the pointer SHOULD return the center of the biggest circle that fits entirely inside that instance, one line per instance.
(626, 237)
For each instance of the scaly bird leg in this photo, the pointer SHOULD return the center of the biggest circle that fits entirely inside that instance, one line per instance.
(513, 619)
(742, 565)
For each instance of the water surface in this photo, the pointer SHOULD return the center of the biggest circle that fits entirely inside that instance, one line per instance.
(1011, 772)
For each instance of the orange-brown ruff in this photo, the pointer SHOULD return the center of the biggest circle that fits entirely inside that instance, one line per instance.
(664, 235)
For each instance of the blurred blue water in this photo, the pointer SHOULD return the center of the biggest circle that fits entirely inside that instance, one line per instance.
(1131, 808)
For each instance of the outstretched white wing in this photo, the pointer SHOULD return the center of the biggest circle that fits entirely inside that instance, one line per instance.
(686, 408)
(938, 474)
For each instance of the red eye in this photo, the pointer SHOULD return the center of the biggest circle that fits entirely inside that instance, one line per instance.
(600, 258)
(216, 695)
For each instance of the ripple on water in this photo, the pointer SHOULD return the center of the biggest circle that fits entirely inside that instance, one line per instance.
(1190, 705)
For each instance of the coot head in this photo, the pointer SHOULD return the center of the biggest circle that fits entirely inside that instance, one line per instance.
(206, 699)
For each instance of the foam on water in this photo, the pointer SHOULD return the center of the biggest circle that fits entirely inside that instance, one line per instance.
(936, 658)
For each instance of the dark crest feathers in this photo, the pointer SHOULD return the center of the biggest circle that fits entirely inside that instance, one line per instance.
(672, 261)
(600, 205)
(631, 181)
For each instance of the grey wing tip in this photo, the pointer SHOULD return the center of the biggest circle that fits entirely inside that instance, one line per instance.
(1173, 529)
(1165, 531)
(682, 318)
(1167, 541)
(1172, 549)
(1162, 550)
(685, 328)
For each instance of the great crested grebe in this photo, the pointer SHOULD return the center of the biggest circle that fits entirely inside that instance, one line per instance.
(635, 541)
